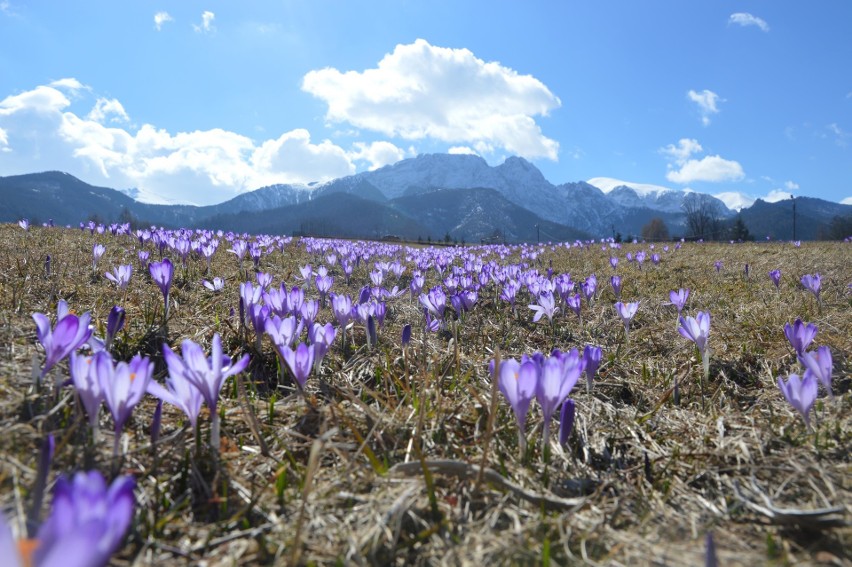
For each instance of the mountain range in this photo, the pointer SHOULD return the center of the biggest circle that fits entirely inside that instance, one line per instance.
(432, 196)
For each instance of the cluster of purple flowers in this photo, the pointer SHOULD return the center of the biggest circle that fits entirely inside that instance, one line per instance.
(548, 379)
(801, 391)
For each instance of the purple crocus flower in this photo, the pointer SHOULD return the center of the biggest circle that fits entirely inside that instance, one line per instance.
(546, 306)
(97, 252)
(88, 386)
(124, 384)
(812, 283)
(323, 284)
(626, 311)
(800, 335)
(216, 286)
(162, 273)
(819, 365)
(87, 521)
(718, 265)
(69, 334)
(574, 303)
(264, 279)
(589, 288)
(678, 298)
(566, 421)
(406, 334)
(341, 306)
(206, 374)
(517, 382)
(557, 376)
(775, 276)
(120, 275)
(283, 332)
(25, 224)
(613, 261)
(696, 329)
(615, 281)
(309, 310)
(300, 362)
(416, 285)
(321, 337)
(591, 362)
(435, 301)
(178, 392)
(801, 393)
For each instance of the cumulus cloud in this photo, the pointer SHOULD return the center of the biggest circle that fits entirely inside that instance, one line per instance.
(161, 18)
(108, 110)
(707, 103)
(685, 169)
(846, 201)
(791, 185)
(746, 19)
(421, 91)
(712, 169)
(42, 131)
(377, 154)
(206, 25)
(682, 151)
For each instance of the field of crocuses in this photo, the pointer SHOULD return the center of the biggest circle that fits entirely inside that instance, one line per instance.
(199, 397)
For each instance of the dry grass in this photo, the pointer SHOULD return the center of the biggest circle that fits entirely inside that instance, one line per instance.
(641, 481)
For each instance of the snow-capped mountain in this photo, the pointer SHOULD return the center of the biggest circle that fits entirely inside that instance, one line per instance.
(654, 197)
(597, 206)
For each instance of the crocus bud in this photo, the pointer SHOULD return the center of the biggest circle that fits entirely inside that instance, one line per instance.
(372, 338)
(566, 421)
(155, 423)
(406, 335)
(115, 322)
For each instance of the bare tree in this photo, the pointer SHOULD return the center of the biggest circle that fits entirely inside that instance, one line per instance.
(655, 230)
(703, 217)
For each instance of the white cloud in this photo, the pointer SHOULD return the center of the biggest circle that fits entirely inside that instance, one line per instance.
(846, 201)
(43, 132)
(161, 18)
(746, 19)
(776, 195)
(377, 154)
(108, 110)
(707, 103)
(735, 200)
(841, 136)
(421, 91)
(709, 168)
(791, 185)
(42, 99)
(206, 26)
(462, 150)
(682, 152)
(293, 152)
(69, 83)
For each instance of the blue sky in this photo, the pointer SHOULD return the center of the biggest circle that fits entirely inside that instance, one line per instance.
(197, 101)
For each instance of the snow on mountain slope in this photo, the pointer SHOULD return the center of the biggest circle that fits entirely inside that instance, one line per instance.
(607, 184)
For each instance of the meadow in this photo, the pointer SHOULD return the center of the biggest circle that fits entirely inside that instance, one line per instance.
(380, 432)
